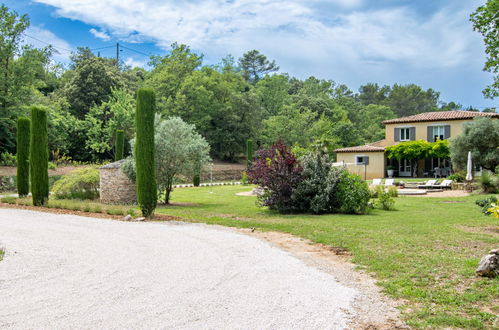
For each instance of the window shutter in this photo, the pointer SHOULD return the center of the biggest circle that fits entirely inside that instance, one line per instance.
(396, 134)
(446, 131)
(366, 160)
(412, 133)
(430, 133)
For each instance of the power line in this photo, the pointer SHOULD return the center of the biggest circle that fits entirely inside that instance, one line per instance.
(48, 43)
(133, 50)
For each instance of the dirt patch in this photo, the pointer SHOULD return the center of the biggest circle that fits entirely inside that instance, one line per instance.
(489, 230)
(373, 309)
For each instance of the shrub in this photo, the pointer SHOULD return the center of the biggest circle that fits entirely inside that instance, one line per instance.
(278, 172)
(114, 212)
(196, 180)
(131, 212)
(488, 182)
(120, 144)
(486, 204)
(244, 178)
(128, 167)
(393, 191)
(494, 210)
(23, 128)
(352, 193)
(459, 176)
(51, 166)
(38, 159)
(97, 209)
(79, 184)
(86, 208)
(385, 199)
(249, 152)
(7, 159)
(8, 200)
(144, 152)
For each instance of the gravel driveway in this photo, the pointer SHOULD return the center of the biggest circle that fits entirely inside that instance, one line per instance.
(65, 271)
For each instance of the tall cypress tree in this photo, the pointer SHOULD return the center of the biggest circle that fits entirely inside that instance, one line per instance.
(119, 145)
(39, 156)
(144, 152)
(249, 152)
(23, 128)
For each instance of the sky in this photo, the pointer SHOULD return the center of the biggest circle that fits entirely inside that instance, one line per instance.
(427, 42)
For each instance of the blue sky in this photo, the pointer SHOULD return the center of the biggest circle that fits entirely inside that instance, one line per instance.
(427, 42)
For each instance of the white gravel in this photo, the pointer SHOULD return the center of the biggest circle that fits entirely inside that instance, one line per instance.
(65, 271)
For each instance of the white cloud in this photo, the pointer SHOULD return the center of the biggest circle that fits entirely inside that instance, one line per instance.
(100, 34)
(351, 41)
(132, 62)
(62, 49)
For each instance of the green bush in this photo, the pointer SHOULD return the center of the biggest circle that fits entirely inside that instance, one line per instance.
(352, 194)
(196, 180)
(97, 209)
(22, 152)
(459, 176)
(393, 191)
(38, 156)
(115, 212)
(144, 152)
(8, 200)
(7, 159)
(385, 198)
(131, 212)
(488, 182)
(120, 144)
(79, 184)
(326, 189)
(486, 203)
(51, 166)
(244, 178)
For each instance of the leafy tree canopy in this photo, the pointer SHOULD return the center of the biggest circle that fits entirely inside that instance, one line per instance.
(255, 65)
(486, 21)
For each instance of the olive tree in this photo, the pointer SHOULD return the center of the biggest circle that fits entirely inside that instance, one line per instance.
(179, 150)
(481, 137)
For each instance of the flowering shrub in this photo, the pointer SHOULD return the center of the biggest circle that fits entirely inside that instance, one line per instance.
(278, 172)
(309, 184)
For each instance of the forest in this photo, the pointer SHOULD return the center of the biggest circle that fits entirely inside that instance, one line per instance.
(91, 97)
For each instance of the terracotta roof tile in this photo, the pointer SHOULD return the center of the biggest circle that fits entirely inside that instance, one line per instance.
(441, 115)
(364, 148)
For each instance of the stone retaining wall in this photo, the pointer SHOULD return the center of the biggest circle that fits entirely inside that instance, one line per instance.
(115, 187)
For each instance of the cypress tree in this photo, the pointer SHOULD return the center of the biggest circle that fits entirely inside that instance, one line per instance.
(120, 144)
(144, 152)
(196, 180)
(249, 152)
(23, 128)
(38, 156)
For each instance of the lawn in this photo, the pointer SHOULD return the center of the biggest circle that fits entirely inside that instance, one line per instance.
(423, 253)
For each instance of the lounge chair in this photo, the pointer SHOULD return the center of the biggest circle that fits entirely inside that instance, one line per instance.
(446, 184)
(376, 182)
(428, 185)
(389, 182)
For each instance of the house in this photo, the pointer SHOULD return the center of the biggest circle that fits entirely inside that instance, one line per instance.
(369, 161)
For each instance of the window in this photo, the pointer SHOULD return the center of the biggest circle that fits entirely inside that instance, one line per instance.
(438, 133)
(361, 160)
(405, 134)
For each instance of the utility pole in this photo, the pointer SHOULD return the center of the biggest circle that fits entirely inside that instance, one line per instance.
(117, 54)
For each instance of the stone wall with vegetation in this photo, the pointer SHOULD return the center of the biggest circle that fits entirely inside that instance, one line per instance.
(115, 187)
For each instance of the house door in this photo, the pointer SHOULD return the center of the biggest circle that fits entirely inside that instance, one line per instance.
(405, 168)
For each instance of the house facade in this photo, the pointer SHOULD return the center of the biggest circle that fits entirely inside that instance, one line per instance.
(369, 161)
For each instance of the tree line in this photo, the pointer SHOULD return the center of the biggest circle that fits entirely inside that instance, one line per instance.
(90, 99)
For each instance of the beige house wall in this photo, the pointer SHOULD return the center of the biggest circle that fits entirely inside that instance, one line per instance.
(375, 169)
(456, 127)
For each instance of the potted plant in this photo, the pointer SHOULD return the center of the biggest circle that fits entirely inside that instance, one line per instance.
(389, 170)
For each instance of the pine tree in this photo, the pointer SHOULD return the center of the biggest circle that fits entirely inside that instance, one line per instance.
(144, 151)
(38, 156)
(23, 129)
(120, 145)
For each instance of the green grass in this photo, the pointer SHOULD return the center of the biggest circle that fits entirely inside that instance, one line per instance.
(425, 252)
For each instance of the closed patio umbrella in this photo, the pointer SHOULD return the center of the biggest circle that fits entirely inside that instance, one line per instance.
(469, 174)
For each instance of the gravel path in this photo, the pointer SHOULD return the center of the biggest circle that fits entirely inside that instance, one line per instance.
(65, 271)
